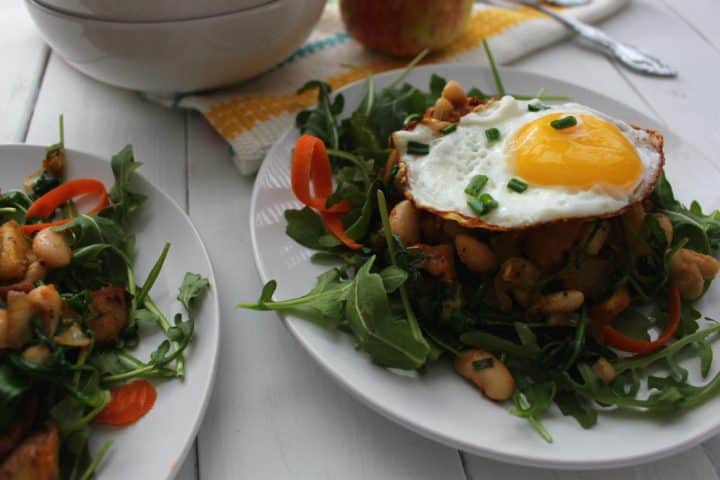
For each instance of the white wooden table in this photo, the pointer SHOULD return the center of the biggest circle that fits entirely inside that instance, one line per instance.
(274, 414)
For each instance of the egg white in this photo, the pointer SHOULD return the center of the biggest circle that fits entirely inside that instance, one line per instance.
(437, 180)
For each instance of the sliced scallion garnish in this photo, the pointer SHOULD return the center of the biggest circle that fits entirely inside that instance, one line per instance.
(482, 204)
(449, 129)
(477, 183)
(417, 148)
(517, 185)
(537, 107)
(564, 122)
(492, 135)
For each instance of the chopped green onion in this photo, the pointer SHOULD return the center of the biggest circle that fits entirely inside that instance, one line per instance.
(417, 148)
(517, 185)
(411, 118)
(483, 204)
(477, 183)
(482, 364)
(492, 135)
(565, 122)
(537, 107)
(449, 129)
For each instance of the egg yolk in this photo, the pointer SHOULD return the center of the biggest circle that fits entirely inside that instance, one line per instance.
(591, 153)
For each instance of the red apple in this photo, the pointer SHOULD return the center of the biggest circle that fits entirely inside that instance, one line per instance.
(405, 27)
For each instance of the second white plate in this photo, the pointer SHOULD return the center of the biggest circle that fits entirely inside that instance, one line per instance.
(155, 446)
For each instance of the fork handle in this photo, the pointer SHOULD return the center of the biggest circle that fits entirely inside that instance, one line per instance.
(628, 55)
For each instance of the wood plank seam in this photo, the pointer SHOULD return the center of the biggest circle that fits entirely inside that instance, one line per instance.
(692, 26)
(25, 122)
(463, 464)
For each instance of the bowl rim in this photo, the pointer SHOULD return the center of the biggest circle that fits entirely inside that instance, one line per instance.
(87, 18)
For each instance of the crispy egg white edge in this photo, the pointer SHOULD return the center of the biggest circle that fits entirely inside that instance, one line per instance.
(437, 181)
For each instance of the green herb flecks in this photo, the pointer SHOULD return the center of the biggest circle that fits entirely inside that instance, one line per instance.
(564, 122)
(417, 148)
(476, 185)
(517, 185)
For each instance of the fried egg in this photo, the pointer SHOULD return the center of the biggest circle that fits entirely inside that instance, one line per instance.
(574, 161)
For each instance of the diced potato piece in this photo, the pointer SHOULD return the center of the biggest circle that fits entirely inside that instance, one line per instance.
(112, 314)
(13, 252)
(36, 458)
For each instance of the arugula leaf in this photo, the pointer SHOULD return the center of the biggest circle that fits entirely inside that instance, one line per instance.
(361, 138)
(437, 83)
(388, 340)
(12, 389)
(701, 230)
(361, 226)
(393, 277)
(532, 399)
(306, 228)
(635, 324)
(321, 122)
(13, 206)
(574, 405)
(323, 305)
(193, 288)
(125, 202)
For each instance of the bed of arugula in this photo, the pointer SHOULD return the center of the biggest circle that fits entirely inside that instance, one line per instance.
(393, 311)
(73, 387)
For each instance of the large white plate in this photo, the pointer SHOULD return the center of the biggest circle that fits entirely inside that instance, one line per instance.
(156, 446)
(438, 404)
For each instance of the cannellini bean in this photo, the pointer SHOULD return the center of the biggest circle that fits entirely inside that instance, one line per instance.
(443, 109)
(605, 369)
(454, 93)
(405, 222)
(51, 248)
(566, 301)
(486, 372)
(475, 254)
(38, 354)
(690, 270)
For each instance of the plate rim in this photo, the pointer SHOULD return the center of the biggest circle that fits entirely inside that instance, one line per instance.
(207, 394)
(407, 422)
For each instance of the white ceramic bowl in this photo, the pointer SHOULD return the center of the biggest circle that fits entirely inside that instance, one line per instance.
(179, 56)
(149, 10)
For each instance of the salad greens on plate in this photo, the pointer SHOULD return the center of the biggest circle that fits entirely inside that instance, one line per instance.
(391, 298)
(72, 314)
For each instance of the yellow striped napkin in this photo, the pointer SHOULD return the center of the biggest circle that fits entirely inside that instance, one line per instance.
(252, 115)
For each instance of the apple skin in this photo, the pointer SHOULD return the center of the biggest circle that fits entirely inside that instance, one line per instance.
(405, 27)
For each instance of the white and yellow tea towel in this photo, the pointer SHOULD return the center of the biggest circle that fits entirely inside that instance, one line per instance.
(252, 115)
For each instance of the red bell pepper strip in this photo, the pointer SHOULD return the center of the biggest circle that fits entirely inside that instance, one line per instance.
(46, 205)
(614, 338)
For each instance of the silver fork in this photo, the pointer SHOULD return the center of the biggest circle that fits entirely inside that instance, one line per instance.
(630, 56)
